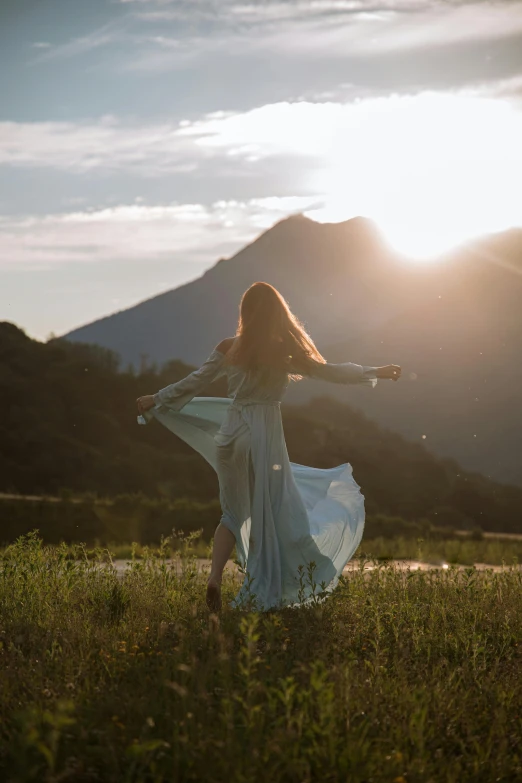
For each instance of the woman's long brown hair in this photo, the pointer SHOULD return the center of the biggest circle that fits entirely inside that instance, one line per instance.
(269, 334)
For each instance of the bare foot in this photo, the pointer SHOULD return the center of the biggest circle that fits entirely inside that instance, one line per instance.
(213, 596)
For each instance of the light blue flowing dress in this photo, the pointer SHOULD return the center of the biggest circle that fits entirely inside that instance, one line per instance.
(282, 515)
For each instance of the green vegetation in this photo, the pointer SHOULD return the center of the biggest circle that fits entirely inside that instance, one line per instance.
(456, 550)
(69, 421)
(415, 542)
(396, 677)
(115, 522)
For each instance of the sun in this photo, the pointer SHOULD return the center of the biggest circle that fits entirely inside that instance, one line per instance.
(433, 170)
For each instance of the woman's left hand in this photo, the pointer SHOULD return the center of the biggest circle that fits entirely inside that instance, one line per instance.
(390, 372)
(145, 403)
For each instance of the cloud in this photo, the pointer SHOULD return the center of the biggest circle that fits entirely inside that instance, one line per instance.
(102, 36)
(138, 232)
(201, 29)
(302, 129)
(160, 150)
(437, 24)
(230, 11)
(434, 165)
(104, 145)
(510, 88)
(289, 48)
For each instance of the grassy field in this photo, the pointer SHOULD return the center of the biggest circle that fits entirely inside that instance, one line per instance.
(397, 677)
(458, 550)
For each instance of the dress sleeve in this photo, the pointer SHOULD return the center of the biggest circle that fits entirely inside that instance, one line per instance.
(343, 373)
(178, 394)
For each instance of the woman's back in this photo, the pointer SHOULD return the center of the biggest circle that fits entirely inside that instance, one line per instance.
(264, 383)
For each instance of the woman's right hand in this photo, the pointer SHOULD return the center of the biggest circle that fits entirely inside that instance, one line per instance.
(391, 372)
(145, 403)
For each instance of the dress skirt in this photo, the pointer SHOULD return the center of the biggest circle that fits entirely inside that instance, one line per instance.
(295, 527)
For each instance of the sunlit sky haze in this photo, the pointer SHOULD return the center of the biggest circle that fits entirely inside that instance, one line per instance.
(141, 140)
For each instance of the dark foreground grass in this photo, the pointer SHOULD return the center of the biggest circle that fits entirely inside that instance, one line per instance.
(396, 677)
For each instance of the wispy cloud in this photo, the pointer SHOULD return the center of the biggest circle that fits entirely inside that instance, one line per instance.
(374, 43)
(102, 36)
(315, 28)
(104, 145)
(139, 232)
(254, 11)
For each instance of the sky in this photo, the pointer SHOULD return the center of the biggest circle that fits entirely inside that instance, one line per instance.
(142, 140)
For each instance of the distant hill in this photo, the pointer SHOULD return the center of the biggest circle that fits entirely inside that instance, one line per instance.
(69, 421)
(455, 325)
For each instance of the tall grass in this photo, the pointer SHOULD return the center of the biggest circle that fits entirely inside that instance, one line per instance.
(461, 551)
(398, 676)
(458, 550)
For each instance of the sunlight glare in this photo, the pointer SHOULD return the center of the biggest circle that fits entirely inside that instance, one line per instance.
(433, 170)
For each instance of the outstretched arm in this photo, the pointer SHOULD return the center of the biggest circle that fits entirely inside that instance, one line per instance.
(348, 373)
(178, 394)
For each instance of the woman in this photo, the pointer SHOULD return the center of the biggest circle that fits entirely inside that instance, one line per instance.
(279, 515)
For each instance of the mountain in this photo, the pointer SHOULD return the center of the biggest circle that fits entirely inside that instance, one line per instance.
(69, 422)
(454, 324)
(336, 276)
